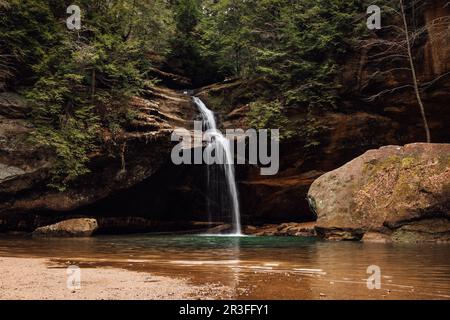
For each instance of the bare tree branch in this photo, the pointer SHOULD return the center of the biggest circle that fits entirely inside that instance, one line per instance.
(427, 85)
(414, 76)
(388, 91)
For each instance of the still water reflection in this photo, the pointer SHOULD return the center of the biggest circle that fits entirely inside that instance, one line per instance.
(261, 267)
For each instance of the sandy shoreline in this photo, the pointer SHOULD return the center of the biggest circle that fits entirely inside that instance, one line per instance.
(36, 278)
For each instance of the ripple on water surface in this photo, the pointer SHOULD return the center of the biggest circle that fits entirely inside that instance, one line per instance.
(261, 267)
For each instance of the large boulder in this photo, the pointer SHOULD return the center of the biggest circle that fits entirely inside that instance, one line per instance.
(402, 193)
(69, 228)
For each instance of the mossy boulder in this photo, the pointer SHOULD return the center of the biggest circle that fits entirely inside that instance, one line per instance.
(69, 228)
(394, 190)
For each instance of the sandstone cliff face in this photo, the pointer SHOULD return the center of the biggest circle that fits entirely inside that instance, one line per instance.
(437, 49)
(144, 183)
(25, 168)
(400, 192)
(365, 76)
(342, 137)
(358, 124)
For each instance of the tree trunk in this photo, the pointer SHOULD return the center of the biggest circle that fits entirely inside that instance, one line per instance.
(414, 75)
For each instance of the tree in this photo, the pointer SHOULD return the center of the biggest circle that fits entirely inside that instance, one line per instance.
(396, 50)
(292, 50)
(77, 81)
(227, 35)
(303, 42)
(294, 44)
(185, 57)
(27, 30)
(413, 71)
(5, 70)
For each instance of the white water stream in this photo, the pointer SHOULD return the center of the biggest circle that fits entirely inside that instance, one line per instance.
(221, 195)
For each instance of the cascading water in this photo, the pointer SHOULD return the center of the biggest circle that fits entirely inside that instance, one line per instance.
(222, 190)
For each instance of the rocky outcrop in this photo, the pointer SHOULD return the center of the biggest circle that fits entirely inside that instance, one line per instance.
(399, 192)
(292, 229)
(140, 152)
(334, 137)
(68, 228)
(340, 138)
(134, 175)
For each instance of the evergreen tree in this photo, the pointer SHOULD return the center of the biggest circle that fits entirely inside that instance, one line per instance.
(294, 46)
(79, 80)
(185, 56)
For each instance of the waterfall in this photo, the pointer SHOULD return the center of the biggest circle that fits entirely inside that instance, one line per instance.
(222, 190)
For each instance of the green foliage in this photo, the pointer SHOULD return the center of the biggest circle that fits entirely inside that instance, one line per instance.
(312, 131)
(295, 45)
(227, 35)
(268, 115)
(72, 143)
(185, 57)
(27, 30)
(79, 81)
(64, 115)
(188, 56)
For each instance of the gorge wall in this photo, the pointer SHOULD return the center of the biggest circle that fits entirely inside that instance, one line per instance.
(135, 185)
(26, 199)
(356, 126)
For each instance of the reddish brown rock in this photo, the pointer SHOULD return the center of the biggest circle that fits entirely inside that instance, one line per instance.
(25, 168)
(292, 229)
(68, 228)
(437, 49)
(326, 140)
(377, 237)
(404, 189)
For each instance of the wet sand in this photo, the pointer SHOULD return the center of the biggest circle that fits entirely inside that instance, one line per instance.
(40, 279)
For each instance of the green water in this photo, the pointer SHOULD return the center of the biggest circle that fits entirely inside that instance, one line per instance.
(261, 267)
